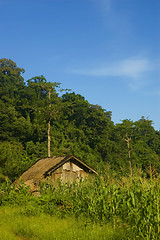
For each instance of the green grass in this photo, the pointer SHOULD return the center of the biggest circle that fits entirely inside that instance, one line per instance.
(82, 210)
(14, 225)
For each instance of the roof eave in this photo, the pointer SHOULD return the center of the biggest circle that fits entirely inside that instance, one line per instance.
(66, 159)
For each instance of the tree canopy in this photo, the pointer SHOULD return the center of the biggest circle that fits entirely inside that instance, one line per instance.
(76, 127)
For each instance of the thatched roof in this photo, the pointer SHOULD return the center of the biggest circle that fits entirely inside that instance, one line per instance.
(46, 166)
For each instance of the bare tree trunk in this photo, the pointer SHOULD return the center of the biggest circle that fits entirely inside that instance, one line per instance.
(130, 167)
(127, 139)
(49, 140)
(49, 129)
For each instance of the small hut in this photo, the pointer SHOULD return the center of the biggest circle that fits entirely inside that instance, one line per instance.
(65, 168)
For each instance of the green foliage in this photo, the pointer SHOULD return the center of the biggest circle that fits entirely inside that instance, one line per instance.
(76, 127)
(14, 225)
(11, 195)
(13, 159)
(131, 204)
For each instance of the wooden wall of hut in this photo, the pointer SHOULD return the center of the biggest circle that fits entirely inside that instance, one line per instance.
(68, 172)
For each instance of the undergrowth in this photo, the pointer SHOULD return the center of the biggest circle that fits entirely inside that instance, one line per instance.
(131, 207)
(14, 225)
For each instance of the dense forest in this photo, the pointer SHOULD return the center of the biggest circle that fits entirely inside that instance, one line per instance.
(29, 108)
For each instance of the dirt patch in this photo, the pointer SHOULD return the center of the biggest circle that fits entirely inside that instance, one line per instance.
(21, 238)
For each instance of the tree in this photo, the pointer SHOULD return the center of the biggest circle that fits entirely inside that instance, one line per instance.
(32, 116)
(146, 142)
(47, 101)
(90, 126)
(126, 131)
(13, 159)
(11, 80)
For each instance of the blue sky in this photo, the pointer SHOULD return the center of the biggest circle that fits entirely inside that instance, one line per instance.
(106, 50)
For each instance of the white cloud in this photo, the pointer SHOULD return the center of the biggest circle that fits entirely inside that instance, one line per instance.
(134, 67)
(134, 70)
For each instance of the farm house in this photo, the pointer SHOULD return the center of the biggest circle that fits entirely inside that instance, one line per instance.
(66, 168)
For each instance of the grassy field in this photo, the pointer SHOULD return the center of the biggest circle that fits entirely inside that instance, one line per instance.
(126, 208)
(14, 226)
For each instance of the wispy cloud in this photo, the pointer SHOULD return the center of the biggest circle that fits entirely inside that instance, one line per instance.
(118, 22)
(133, 69)
(104, 5)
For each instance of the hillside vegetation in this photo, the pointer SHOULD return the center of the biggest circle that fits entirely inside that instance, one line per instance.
(77, 127)
(122, 202)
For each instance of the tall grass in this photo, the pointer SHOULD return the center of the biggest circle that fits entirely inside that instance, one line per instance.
(131, 204)
(14, 225)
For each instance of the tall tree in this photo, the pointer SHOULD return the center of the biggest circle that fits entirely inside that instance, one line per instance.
(11, 80)
(126, 129)
(47, 101)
